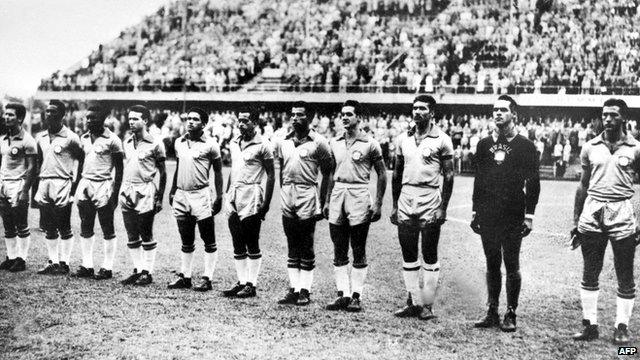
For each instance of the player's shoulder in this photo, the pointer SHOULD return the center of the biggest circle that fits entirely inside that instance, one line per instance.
(42, 135)
(526, 141)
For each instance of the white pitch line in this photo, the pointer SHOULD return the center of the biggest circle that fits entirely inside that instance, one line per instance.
(461, 221)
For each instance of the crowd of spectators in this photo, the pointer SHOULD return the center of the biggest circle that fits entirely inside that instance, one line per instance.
(477, 46)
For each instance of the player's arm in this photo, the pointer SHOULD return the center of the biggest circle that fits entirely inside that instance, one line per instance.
(30, 162)
(447, 184)
(396, 180)
(216, 164)
(78, 154)
(381, 187)
(162, 182)
(532, 182)
(36, 173)
(330, 183)
(281, 165)
(174, 183)
(581, 193)
(478, 191)
(271, 180)
(118, 164)
(326, 169)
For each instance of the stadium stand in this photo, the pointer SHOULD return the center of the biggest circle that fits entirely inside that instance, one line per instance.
(469, 46)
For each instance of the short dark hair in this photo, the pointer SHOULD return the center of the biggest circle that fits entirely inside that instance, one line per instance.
(513, 105)
(146, 114)
(426, 99)
(621, 104)
(254, 114)
(356, 106)
(101, 111)
(204, 116)
(60, 105)
(20, 110)
(300, 104)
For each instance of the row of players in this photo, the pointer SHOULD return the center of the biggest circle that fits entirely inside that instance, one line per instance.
(505, 195)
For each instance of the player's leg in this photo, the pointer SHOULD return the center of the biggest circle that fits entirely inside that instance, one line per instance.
(493, 255)
(207, 234)
(87, 212)
(21, 213)
(408, 236)
(47, 216)
(251, 233)
(623, 257)
(359, 235)
(131, 224)
(511, 242)
(240, 257)
(63, 223)
(187, 229)
(10, 237)
(430, 267)
(340, 234)
(149, 248)
(110, 243)
(593, 249)
(291, 229)
(307, 259)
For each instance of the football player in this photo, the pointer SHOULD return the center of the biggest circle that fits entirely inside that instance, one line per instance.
(349, 207)
(98, 192)
(506, 163)
(191, 197)
(59, 149)
(302, 154)
(247, 201)
(17, 172)
(423, 154)
(604, 213)
(140, 198)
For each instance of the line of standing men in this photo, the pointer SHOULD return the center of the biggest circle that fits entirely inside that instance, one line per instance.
(505, 195)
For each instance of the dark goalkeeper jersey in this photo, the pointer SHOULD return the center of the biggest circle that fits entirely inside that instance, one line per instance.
(507, 182)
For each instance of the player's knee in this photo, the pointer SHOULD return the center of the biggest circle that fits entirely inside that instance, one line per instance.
(210, 248)
(340, 262)
(590, 285)
(67, 234)
(188, 248)
(10, 232)
(254, 256)
(86, 233)
(360, 264)
(307, 264)
(23, 232)
(109, 235)
(627, 291)
(240, 256)
(149, 245)
(293, 263)
(51, 234)
(430, 258)
(514, 275)
(134, 243)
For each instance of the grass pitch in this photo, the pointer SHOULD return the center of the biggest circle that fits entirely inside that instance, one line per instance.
(50, 317)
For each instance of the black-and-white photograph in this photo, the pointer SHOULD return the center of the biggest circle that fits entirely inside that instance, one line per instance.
(319, 179)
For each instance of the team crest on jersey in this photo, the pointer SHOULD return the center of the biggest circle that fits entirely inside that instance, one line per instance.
(303, 152)
(356, 155)
(500, 152)
(426, 152)
(499, 156)
(623, 161)
(57, 149)
(15, 151)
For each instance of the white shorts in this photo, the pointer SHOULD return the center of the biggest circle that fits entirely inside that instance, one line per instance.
(300, 201)
(10, 192)
(350, 204)
(196, 203)
(138, 197)
(417, 205)
(54, 191)
(614, 219)
(97, 193)
(244, 199)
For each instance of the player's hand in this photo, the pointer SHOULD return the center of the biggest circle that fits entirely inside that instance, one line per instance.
(527, 226)
(375, 213)
(171, 196)
(216, 206)
(325, 211)
(475, 224)
(440, 216)
(262, 212)
(157, 205)
(394, 216)
(575, 239)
